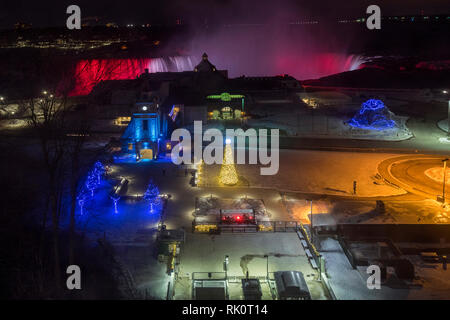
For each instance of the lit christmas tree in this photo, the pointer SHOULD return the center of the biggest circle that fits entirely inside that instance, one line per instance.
(81, 200)
(228, 174)
(91, 183)
(99, 170)
(115, 198)
(152, 195)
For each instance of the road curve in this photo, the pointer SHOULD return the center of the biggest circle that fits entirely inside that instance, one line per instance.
(408, 172)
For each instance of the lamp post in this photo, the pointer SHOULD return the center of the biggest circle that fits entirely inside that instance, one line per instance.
(267, 265)
(448, 120)
(225, 266)
(445, 177)
(312, 229)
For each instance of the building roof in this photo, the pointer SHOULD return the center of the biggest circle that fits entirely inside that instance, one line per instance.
(205, 65)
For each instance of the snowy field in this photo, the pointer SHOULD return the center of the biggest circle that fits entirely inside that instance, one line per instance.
(305, 125)
(315, 172)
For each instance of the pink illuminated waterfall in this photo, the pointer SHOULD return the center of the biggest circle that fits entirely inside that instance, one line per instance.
(90, 72)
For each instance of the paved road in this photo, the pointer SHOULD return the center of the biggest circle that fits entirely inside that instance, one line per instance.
(408, 172)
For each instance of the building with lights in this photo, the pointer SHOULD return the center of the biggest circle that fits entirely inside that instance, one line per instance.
(152, 105)
(146, 132)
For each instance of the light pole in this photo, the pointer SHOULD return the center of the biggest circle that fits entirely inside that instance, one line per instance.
(445, 177)
(448, 120)
(225, 266)
(267, 265)
(312, 228)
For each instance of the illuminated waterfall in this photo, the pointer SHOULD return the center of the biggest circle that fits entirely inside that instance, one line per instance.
(90, 72)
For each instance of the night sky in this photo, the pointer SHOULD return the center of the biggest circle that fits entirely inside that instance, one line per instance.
(45, 13)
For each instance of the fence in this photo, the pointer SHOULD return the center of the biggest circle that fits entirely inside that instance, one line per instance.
(209, 276)
(261, 226)
(279, 226)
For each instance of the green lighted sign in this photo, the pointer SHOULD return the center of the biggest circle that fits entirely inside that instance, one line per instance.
(225, 96)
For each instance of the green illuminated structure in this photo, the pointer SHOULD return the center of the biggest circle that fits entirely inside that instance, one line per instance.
(226, 96)
(227, 109)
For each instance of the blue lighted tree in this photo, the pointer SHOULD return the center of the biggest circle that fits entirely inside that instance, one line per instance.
(99, 170)
(115, 198)
(81, 201)
(152, 195)
(91, 182)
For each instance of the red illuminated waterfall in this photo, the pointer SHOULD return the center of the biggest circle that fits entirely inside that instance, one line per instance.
(90, 72)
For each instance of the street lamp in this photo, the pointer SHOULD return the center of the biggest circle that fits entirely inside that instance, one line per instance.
(445, 177)
(448, 119)
(267, 265)
(312, 228)
(225, 266)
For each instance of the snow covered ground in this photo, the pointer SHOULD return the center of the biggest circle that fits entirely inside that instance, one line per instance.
(431, 280)
(443, 125)
(10, 124)
(205, 253)
(132, 233)
(306, 125)
(315, 172)
(351, 284)
(364, 212)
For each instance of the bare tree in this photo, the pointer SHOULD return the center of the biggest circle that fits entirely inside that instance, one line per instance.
(77, 169)
(48, 115)
(62, 134)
